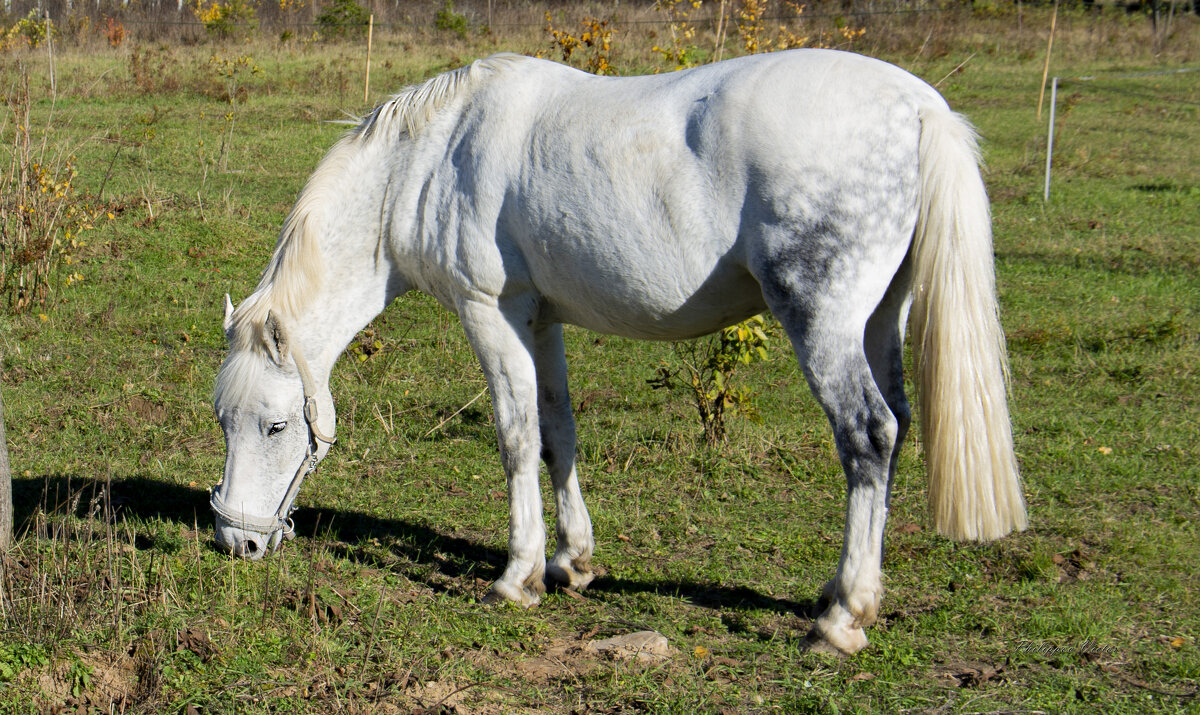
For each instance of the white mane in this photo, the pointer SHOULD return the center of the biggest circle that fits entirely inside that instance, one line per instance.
(413, 107)
(295, 272)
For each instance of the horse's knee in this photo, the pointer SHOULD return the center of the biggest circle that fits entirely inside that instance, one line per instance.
(866, 445)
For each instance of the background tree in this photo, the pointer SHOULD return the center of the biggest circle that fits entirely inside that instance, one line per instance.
(6, 507)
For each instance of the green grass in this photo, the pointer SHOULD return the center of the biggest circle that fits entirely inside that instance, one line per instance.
(114, 598)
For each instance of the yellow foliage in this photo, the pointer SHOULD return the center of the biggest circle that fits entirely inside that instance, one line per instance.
(755, 38)
(596, 36)
(210, 13)
(681, 52)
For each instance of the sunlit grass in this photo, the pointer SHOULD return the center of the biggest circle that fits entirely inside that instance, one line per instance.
(114, 591)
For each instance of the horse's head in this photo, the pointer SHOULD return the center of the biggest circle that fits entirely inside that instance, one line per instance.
(278, 424)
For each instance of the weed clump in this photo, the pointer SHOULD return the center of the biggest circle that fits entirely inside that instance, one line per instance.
(225, 20)
(597, 36)
(31, 30)
(449, 20)
(41, 214)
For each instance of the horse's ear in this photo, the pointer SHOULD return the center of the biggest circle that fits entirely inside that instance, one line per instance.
(228, 314)
(276, 339)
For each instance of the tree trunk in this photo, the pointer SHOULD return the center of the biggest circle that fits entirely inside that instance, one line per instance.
(6, 505)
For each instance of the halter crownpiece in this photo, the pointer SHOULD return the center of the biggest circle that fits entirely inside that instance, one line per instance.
(279, 526)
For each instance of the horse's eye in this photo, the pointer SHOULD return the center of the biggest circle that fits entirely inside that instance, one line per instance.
(276, 428)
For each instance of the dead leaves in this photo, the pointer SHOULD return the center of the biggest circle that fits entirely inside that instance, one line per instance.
(974, 677)
(1075, 565)
(197, 642)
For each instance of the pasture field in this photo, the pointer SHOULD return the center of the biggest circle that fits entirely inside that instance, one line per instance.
(114, 600)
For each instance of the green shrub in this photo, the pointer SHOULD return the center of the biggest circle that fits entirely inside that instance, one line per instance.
(16, 658)
(707, 371)
(449, 20)
(32, 29)
(234, 18)
(343, 17)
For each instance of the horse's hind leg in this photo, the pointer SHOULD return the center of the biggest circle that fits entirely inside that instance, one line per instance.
(571, 564)
(865, 432)
(829, 344)
(883, 342)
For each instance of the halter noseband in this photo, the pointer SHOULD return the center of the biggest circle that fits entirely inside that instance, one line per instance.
(278, 526)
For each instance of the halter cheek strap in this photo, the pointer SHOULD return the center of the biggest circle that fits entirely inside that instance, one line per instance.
(309, 385)
(278, 526)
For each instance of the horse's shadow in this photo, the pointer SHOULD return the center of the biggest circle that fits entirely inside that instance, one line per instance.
(346, 533)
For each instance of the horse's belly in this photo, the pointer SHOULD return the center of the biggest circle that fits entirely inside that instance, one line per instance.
(654, 299)
(633, 235)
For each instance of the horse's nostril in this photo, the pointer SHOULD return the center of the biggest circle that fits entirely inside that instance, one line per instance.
(247, 547)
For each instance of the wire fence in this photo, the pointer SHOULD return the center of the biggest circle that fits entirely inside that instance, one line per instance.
(180, 13)
(181, 20)
(1095, 82)
(617, 19)
(87, 21)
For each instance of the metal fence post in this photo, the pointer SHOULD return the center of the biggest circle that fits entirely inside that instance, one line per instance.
(1050, 138)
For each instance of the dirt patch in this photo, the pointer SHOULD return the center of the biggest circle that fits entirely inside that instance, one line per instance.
(443, 697)
(970, 674)
(110, 686)
(574, 656)
(148, 410)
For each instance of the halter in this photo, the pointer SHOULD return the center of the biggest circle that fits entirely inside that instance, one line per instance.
(279, 526)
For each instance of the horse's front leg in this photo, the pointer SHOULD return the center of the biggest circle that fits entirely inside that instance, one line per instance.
(571, 565)
(504, 346)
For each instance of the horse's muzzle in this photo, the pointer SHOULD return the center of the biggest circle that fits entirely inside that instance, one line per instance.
(244, 543)
(245, 535)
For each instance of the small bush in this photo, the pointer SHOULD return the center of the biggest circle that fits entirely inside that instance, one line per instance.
(708, 369)
(682, 51)
(31, 30)
(448, 20)
(597, 36)
(114, 32)
(343, 17)
(234, 18)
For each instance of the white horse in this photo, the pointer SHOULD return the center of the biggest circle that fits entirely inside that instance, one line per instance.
(833, 189)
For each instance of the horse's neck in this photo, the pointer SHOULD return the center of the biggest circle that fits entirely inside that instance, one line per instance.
(354, 289)
(343, 308)
(359, 276)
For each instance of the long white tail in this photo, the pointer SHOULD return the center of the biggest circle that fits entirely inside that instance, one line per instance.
(961, 364)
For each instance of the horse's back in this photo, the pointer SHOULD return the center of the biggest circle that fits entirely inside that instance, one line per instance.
(633, 205)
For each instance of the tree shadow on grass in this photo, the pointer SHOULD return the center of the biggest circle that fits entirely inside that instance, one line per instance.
(421, 552)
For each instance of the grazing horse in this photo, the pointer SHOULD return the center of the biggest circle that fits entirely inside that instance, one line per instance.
(834, 190)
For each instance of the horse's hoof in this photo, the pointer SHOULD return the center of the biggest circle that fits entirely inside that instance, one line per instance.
(575, 576)
(505, 593)
(493, 598)
(847, 642)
